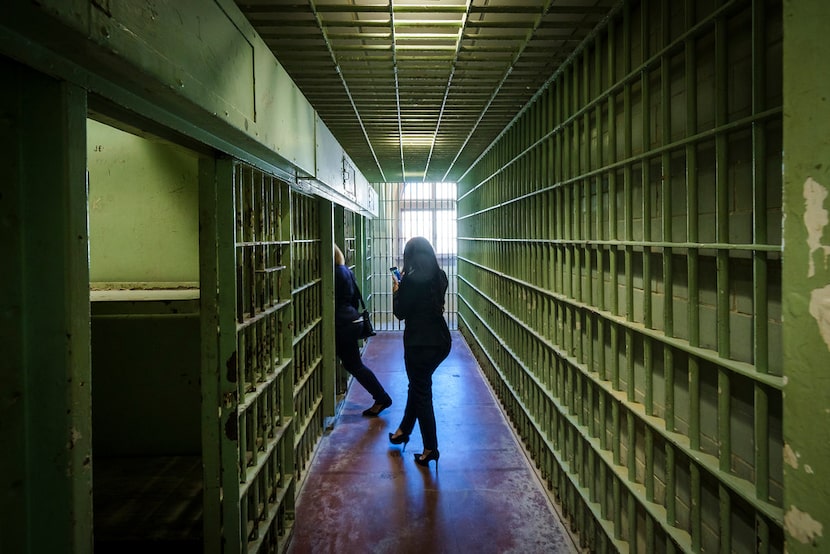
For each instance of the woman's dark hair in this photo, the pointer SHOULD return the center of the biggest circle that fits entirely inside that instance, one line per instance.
(419, 258)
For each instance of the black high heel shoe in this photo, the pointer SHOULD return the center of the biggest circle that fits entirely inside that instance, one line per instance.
(400, 439)
(424, 461)
(376, 409)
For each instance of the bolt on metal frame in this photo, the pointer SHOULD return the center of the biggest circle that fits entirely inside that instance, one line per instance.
(619, 273)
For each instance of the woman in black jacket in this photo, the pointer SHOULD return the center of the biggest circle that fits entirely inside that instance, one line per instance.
(419, 300)
(348, 323)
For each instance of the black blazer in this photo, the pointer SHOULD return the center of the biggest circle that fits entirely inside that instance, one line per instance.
(420, 302)
(345, 296)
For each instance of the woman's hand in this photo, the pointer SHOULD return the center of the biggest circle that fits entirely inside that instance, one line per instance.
(395, 285)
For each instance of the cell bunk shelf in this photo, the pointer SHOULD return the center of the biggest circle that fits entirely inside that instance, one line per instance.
(148, 504)
(141, 300)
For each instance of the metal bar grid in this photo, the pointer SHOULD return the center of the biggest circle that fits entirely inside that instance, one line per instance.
(256, 439)
(407, 210)
(654, 321)
(306, 292)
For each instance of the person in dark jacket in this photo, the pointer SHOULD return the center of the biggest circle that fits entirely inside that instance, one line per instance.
(348, 323)
(418, 299)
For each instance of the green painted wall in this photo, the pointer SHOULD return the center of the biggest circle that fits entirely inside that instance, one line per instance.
(143, 209)
(806, 276)
(222, 86)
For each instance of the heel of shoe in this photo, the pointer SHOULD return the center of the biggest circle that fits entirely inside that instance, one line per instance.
(400, 439)
(424, 462)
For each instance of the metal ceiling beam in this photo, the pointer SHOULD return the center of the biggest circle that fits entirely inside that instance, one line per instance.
(497, 89)
(464, 19)
(397, 89)
(346, 87)
(251, 9)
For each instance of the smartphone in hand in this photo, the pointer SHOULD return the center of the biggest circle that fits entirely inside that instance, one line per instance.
(396, 272)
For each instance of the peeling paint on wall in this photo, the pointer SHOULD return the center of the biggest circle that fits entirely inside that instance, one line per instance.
(801, 526)
(815, 220)
(790, 457)
(820, 310)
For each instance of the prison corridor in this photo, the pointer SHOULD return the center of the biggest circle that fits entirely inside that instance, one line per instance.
(362, 494)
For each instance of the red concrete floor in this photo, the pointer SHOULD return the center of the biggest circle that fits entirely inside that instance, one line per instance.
(362, 495)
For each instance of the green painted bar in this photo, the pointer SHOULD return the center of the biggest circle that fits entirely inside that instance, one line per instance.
(631, 514)
(615, 357)
(211, 436)
(227, 183)
(724, 513)
(617, 501)
(722, 223)
(722, 189)
(692, 211)
(695, 508)
(645, 168)
(760, 186)
(666, 222)
(649, 463)
(616, 435)
(328, 364)
(631, 446)
(650, 535)
(762, 531)
(760, 261)
(671, 485)
(630, 369)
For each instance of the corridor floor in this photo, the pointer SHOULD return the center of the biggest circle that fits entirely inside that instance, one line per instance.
(362, 495)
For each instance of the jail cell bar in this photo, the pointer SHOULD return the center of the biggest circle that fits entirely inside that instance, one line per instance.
(620, 277)
(308, 334)
(407, 210)
(263, 360)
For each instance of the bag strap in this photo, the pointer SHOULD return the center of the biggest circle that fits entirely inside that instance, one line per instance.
(357, 288)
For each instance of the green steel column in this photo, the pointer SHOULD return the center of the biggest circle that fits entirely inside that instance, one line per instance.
(666, 223)
(692, 226)
(209, 321)
(329, 367)
(45, 392)
(646, 209)
(806, 276)
(722, 234)
(229, 377)
(759, 257)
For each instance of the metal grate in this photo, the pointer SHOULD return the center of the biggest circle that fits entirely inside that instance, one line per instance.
(620, 274)
(308, 333)
(256, 390)
(406, 211)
